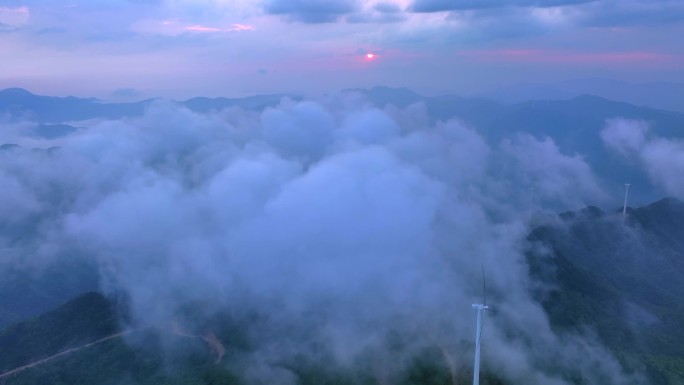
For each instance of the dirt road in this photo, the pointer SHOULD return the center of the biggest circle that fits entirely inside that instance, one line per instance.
(214, 344)
(65, 352)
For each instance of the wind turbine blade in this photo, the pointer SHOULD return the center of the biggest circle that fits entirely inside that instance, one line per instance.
(484, 287)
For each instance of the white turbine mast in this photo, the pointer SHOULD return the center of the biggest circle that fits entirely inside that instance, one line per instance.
(481, 308)
(624, 206)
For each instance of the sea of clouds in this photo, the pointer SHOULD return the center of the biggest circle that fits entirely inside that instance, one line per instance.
(338, 223)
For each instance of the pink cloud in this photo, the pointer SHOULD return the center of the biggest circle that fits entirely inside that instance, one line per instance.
(232, 28)
(549, 56)
(175, 28)
(14, 16)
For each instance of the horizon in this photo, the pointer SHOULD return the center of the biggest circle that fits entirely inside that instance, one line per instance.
(485, 94)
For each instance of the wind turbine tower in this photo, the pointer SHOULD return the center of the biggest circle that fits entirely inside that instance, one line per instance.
(624, 207)
(481, 308)
(478, 335)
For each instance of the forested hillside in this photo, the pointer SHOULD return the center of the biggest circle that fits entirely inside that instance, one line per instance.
(620, 277)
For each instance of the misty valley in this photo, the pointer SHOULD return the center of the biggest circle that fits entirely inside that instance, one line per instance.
(341, 239)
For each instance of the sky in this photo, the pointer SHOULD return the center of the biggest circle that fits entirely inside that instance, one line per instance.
(132, 49)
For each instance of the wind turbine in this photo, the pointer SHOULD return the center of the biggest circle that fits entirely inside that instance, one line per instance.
(624, 207)
(480, 307)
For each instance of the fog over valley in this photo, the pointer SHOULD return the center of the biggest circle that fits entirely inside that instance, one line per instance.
(337, 229)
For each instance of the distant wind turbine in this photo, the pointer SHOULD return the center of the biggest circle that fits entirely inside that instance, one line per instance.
(624, 207)
(480, 307)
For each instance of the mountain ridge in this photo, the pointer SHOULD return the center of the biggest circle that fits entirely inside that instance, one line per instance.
(573, 124)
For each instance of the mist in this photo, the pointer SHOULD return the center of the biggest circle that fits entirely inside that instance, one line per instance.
(337, 223)
(661, 158)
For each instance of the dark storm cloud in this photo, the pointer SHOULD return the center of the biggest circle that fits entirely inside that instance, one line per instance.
(456, 5)
(311, 11)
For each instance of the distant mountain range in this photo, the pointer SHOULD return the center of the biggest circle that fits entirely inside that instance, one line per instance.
(54, 110)
(662, 95)
(574, 124)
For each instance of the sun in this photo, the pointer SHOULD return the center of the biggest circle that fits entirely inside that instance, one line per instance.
(370, 56)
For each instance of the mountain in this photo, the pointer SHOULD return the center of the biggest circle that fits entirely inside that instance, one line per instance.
(383, 96)
(574, 124)
(83, 342)
(660, 95)
(55, 110)
(620, 277)
(473, 111)
(53, 131)
(52, 112)
(82, 320)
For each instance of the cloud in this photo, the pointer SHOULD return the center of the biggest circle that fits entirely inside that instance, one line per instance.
(500, 18)
(662, 158)
(552, 176)
(336, 224)
(625, 136)
(311, 11)
(554, 56)
(460, 5)
(376, 18)
(382, 12)
(468, 29)
(18, 203)
(387, 7)
(615, 13)
(14, 17)
(175, 28)
(664, 161)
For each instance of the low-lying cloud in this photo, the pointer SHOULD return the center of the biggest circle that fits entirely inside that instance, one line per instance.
(337, 222)
(661, 158)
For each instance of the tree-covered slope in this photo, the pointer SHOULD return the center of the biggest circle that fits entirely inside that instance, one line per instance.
(78, 322)
(81, 342)
(620, 277)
